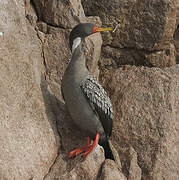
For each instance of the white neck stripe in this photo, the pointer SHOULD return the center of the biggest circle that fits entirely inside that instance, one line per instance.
(76, 43)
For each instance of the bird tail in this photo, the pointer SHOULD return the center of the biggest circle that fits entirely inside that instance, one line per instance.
(107, 150)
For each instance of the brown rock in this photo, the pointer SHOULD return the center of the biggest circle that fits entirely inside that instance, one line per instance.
(30, 12)
(176, 35)
(111, 172)
(28, 137)
(134, 170)
(90, 168)
(177, 19)
(78, 169)
(63, 14)
(93, 53)
(114, 57)
(138, 21)
(163, 58)
(145, 32)
(176, 41)
(146, 103)
(56, 53)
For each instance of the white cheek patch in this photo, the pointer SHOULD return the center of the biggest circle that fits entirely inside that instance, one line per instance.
(76, 43)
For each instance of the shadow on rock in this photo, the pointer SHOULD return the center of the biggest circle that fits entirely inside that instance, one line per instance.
(68, 136)
(53, 107)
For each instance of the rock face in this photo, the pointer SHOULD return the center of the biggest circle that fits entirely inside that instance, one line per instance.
(28, 137)
(77, 169)
(146, 106)
(145, 32)
(176, 35)
(176, 41)
(111, 172)
(36, 132)
(177, 18)
(50, 11)
(135, 172)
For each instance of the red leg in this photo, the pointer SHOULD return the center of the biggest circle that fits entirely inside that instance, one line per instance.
(91, 148)
(88, 143)
(78, 151)
(87, 149)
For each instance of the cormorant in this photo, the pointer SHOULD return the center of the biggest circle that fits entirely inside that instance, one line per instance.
(86, 100)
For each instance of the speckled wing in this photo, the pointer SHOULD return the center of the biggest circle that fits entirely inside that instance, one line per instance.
(99, 101)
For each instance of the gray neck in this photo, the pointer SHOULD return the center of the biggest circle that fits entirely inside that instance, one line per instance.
(78, 60)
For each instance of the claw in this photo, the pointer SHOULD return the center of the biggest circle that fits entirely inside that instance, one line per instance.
(80, 150)
(87, 149)
(76, 152)
(92, 147)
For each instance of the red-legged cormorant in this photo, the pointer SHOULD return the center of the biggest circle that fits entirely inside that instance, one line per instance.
(86, 100)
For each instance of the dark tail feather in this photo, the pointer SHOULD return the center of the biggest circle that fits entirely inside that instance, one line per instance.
(107, 149)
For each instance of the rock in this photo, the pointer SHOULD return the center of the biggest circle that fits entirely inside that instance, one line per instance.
(114, 57)
(89, 169)
(93, 53)
(177, 15)
(176, 35)
(176, 42)
(146, 104)
(134, 170)
(30, 13)
(56, 53)
(111, 172)
(63, 14)
(134, 42)
(138, 21)
(29, 140)
(78, 169)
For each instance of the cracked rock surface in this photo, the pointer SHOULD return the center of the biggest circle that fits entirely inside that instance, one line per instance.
(145, 32)
(36, 131)
(28, 137)
(146, 105)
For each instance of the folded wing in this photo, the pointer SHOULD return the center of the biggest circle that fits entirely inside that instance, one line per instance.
(99, 101)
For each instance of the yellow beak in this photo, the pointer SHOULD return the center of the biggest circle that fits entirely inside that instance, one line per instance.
(104, 29)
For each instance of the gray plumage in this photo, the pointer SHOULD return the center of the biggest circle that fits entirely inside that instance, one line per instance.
(86, 100)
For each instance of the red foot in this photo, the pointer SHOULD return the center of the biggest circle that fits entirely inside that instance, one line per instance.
(92, 147)
(87, 149)
(78, 151)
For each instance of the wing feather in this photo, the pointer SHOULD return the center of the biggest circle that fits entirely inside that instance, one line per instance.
(99, 101)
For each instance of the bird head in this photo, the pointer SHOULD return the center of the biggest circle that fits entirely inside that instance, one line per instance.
(83, 30)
